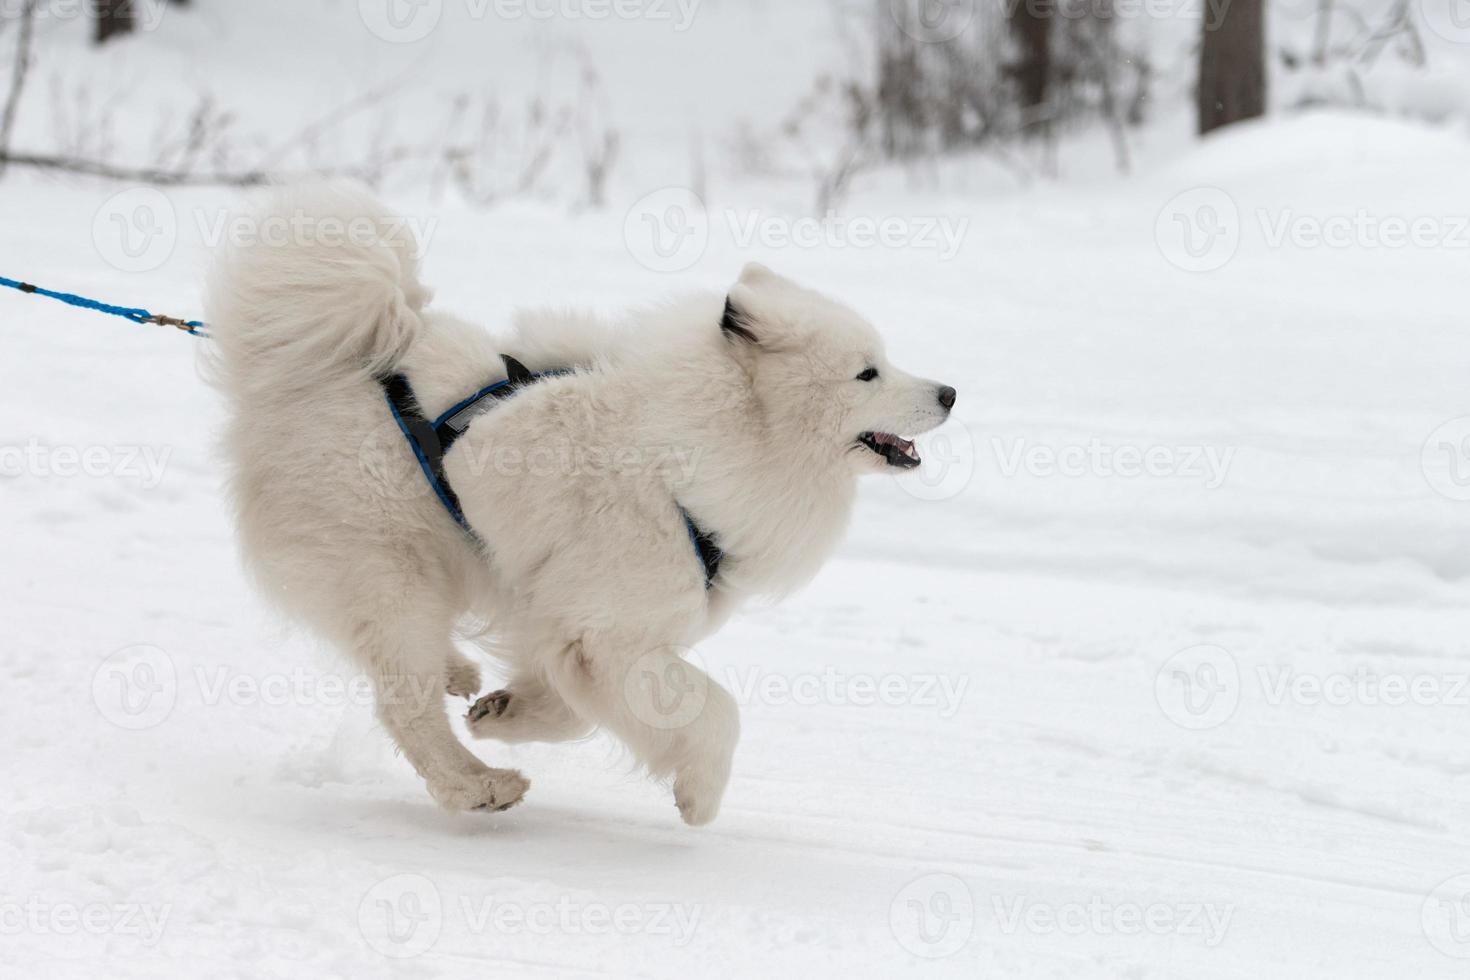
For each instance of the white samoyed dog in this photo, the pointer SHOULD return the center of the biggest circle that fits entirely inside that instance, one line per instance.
(592, 522)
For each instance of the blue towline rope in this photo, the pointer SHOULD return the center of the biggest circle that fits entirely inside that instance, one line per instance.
(195, 327)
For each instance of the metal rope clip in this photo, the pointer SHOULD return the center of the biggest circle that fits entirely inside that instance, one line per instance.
(170, 321)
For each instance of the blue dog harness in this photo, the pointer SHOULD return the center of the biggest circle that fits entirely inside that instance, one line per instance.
(431, 441)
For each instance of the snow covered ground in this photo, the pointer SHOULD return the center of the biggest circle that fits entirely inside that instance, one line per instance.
(1158, 669)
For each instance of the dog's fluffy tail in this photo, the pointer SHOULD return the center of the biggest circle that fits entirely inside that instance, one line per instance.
(314, 280)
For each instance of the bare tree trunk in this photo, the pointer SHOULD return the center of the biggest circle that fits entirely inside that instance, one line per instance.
(1030, 25)
(901, 109)
(114, 17)
(1232, 66)
(20, 71)
(1102, 45)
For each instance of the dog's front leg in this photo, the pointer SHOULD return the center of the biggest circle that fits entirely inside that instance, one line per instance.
(674, 717)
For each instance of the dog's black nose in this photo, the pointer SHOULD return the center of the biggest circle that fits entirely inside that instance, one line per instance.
(946, 396)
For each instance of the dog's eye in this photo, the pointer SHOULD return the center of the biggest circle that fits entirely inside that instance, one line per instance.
(868, 374)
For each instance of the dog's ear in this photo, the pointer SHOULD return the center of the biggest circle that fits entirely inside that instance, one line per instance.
(754, 274)
(735, 325)
(516, 372)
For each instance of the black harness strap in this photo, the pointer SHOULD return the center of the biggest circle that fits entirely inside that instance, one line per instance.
(431, 440)
(423, 436)
(710, 554)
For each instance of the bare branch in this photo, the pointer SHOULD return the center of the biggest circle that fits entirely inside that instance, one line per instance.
(323, 124)
(19, 72)
(145, 175)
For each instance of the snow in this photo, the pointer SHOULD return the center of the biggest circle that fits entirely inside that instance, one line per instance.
(968, 747)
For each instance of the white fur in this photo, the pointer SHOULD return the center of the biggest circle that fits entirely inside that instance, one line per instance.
(589, 586)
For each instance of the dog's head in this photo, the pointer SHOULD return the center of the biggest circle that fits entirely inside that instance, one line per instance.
(819, 373)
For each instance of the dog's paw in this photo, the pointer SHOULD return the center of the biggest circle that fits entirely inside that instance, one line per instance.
(487, 710)
(698, 795)
(462, 679)
(493, 789)
(513, 718)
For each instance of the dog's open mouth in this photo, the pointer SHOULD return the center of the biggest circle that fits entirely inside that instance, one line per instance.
(897, 450)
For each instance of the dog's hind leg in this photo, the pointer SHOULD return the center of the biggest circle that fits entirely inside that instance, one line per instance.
(674, 717)
(408, 667)
(526, 710)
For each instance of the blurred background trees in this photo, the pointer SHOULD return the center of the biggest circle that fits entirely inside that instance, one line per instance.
(1010, 81)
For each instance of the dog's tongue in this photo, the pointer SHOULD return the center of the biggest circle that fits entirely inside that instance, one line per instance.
(902, 445)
